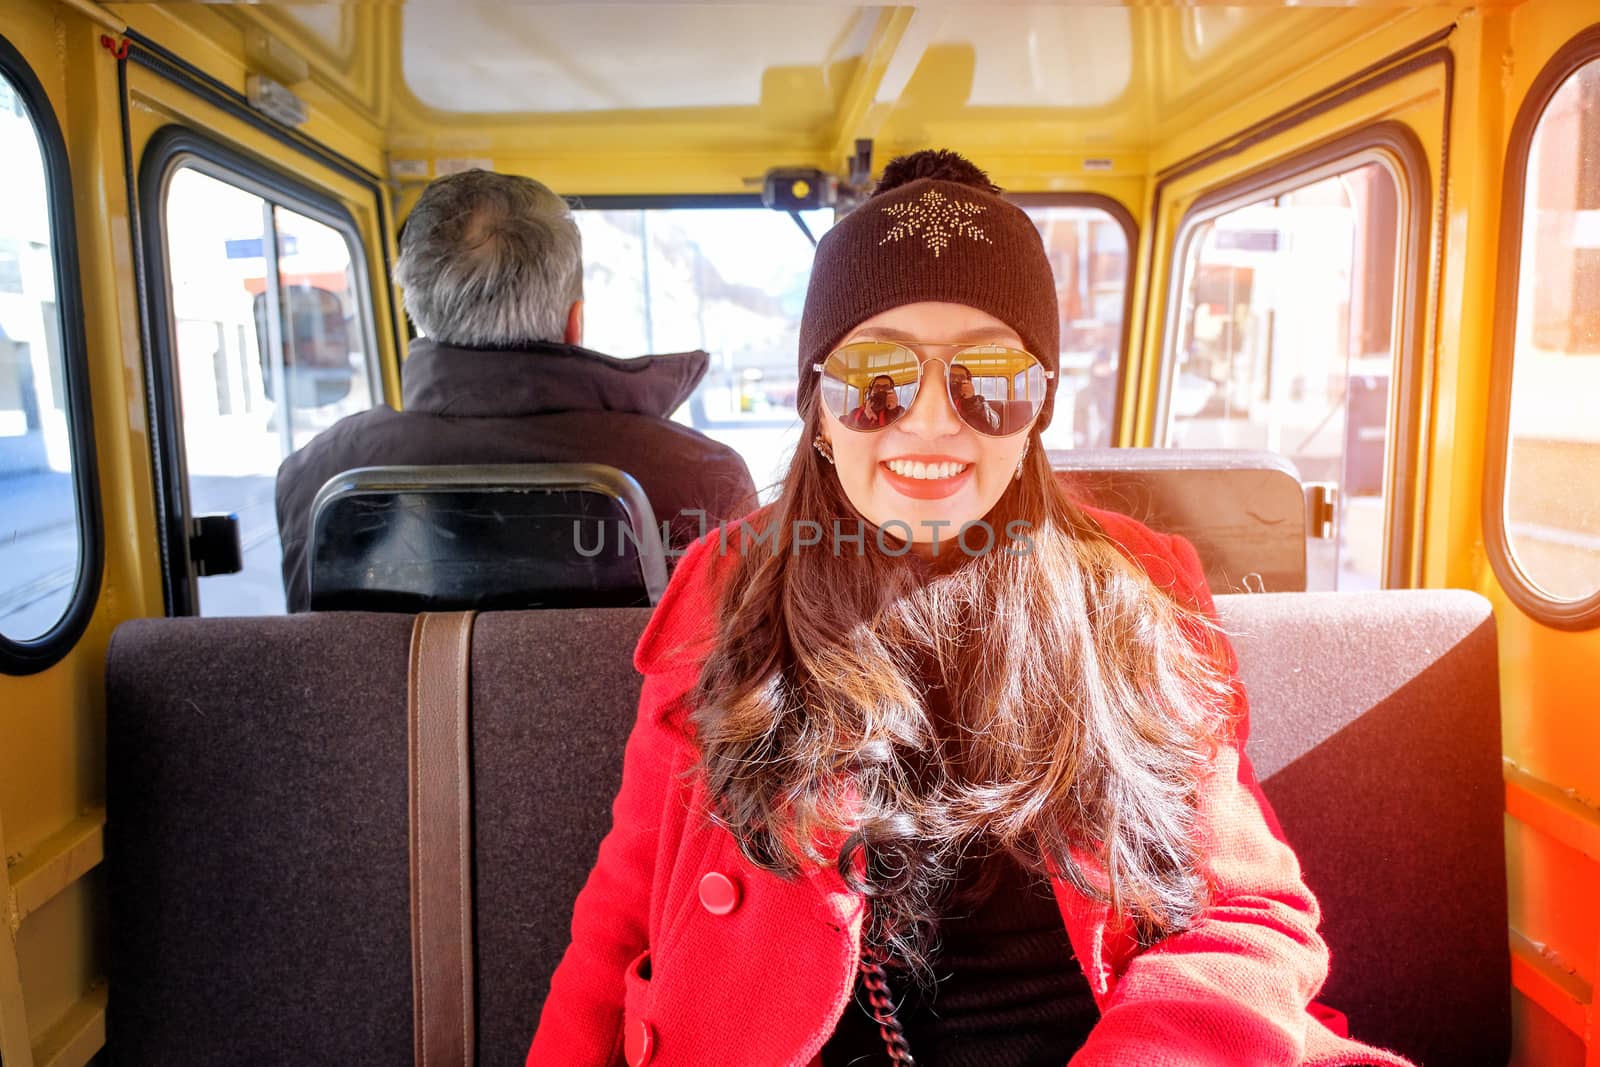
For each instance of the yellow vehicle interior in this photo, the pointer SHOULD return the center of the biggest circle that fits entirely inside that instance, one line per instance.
(1154, 137)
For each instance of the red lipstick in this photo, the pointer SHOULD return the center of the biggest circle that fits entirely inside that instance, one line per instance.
(926, 488)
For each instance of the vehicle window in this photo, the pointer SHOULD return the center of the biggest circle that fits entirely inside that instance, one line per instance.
(729, 280)
(1552, 485)
(261, 369)
(40, 538)
(1284, 340)
(733, 281)
(1088, 250)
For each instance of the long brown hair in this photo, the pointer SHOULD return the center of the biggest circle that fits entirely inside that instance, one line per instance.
(1038, 698)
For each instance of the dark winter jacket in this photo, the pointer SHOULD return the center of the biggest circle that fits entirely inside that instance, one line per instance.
(548, 403)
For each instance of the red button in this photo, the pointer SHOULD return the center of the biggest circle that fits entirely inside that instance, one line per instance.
(719, 893)
(638, 1043)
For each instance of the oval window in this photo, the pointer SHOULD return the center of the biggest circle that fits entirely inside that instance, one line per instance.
(1551, 497)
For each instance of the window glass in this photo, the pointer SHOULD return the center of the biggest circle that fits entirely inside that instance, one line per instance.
(1088, 252)
(1284, 341)
(254, 385)
(1552, 490)
(729, 280)
(39, 520)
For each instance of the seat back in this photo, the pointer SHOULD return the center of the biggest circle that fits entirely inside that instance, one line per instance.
(499, 536)
(257, 844)
(1014, 414)
(1375, 732)
(257, 837)
(1244, 511)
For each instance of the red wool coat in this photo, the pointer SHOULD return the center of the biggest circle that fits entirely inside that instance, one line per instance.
(685, 955)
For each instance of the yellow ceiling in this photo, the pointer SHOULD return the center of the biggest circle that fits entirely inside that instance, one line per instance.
(741, 87)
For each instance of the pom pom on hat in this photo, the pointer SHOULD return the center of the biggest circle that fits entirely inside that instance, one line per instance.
(938, 163)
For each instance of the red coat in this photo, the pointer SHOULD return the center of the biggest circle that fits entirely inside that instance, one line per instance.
(685, 955)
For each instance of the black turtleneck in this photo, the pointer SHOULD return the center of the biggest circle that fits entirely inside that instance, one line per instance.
(1008, 993)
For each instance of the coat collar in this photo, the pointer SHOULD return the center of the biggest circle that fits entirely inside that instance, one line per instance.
(544, 378)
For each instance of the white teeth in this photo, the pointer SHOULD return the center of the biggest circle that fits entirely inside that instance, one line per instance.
(925, 471)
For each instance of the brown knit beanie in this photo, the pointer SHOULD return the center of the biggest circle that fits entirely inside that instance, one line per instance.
(934, 228)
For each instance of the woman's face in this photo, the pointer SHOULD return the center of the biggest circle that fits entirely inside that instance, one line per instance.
(929, 469)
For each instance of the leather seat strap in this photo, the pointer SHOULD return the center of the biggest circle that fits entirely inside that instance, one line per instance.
(440, 802)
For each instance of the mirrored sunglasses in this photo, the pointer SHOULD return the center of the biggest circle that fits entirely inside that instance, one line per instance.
(871, 385)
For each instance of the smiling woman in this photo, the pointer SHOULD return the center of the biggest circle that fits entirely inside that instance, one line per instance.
(985, 763)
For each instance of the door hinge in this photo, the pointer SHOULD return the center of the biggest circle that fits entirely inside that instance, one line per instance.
(1322, 510)
(214, 546)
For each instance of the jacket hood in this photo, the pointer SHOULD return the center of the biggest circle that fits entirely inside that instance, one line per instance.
(544, 378)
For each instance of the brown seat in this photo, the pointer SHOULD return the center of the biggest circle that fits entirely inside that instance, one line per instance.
(257, 833)
(1243, 509)
(1376, 736)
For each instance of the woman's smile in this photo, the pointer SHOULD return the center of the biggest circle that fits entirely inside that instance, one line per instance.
(924, 477)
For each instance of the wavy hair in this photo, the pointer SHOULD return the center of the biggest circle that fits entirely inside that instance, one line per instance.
(894, 717)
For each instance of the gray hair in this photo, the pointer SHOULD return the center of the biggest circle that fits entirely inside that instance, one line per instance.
(490, 261)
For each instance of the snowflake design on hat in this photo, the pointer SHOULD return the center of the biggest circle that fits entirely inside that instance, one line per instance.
(936, 219)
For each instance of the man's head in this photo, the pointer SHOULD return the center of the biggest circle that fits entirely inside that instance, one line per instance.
(880, 394)
(492, 261)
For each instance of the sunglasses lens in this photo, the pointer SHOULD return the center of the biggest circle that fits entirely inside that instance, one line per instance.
(870, 384)
(997, 391)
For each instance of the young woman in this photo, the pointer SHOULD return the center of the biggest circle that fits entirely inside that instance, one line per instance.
(933, 764)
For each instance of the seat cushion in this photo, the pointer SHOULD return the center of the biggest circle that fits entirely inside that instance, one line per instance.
(1375, 731)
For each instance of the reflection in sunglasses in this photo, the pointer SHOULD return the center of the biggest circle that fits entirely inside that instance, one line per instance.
(868, 385)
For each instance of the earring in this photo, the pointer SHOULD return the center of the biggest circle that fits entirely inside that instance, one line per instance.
(820, 443)
(1017, 477)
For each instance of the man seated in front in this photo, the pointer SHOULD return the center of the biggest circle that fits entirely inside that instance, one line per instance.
(492, 271)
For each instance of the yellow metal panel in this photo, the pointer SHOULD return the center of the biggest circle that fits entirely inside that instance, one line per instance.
(15, 1047)
(346, 74)
(1541, 1039)
(50, 723)
(79, 1034)
(215, 43)
(1548, 677)
(56, 863)
(1566, 998)
(58, 954)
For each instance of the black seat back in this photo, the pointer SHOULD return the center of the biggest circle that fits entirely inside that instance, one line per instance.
(256, 842)
(1244, 511)
(1376, 735)
(257, 837)
(453, 538)
(1014, 414)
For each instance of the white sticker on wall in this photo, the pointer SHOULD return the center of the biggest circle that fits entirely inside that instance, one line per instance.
(1586, 229)
(441, 167)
